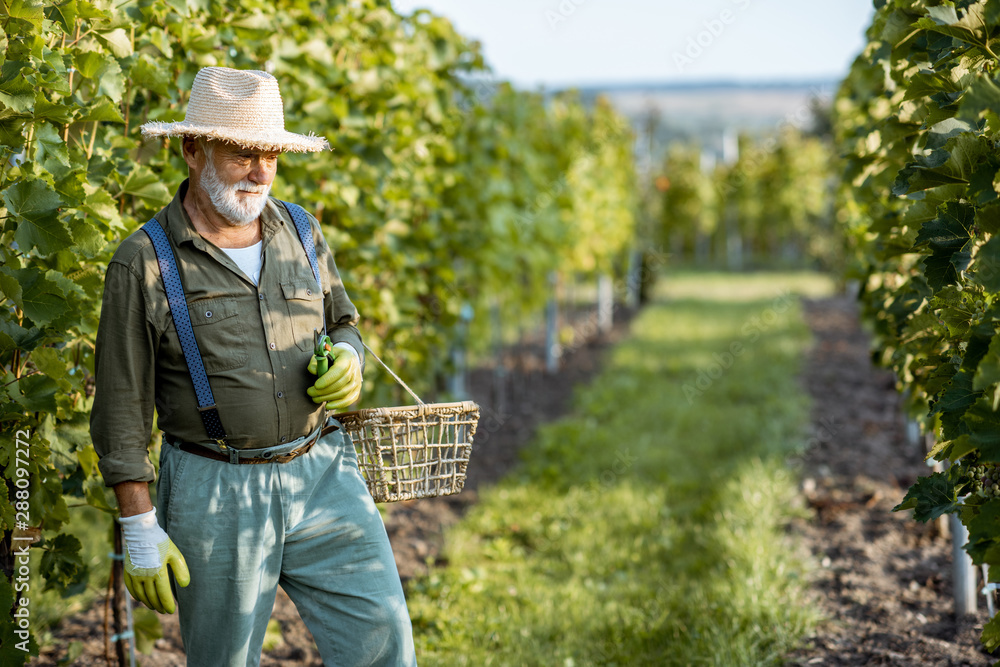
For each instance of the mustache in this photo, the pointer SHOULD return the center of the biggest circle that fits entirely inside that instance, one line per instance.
(247, 186)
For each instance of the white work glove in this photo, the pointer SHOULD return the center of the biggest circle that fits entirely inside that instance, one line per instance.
(148, 553)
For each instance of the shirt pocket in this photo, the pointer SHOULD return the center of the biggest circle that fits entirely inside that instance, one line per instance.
(220, 334)
(304, 302)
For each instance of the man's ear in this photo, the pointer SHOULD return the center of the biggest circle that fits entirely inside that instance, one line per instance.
(192, 152)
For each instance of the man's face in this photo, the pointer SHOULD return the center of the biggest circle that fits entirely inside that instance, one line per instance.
(237, 180)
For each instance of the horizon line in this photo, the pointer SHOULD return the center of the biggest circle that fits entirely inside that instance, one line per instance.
(695, 84)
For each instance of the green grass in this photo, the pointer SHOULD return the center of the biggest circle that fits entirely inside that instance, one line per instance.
(647, 528)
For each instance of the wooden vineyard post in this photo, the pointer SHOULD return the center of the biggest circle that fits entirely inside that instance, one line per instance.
(121, 607)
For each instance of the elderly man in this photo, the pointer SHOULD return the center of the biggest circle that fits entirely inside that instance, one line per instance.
(209, 314)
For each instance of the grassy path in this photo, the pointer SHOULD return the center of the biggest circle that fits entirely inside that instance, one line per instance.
(647, 527)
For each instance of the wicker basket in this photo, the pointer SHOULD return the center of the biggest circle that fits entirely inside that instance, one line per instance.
(415, 451)
(412, 451)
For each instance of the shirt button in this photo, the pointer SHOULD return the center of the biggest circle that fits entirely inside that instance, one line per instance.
(281, 394)
(272, 346)
(309, 292)
(261, 296)
(208, 313)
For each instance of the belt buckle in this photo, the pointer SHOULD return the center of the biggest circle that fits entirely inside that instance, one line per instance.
(271, 457)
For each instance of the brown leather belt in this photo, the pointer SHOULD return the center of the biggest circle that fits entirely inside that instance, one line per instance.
(192, 448)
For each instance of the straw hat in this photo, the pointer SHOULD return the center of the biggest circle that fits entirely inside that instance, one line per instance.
(241, 106)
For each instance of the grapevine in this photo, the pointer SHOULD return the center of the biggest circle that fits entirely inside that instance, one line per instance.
(770, 201)
(917, 120)
(437, 194)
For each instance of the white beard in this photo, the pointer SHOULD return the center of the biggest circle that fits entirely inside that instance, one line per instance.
(239, 211)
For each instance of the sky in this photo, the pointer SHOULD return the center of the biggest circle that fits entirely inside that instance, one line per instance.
(556, 43)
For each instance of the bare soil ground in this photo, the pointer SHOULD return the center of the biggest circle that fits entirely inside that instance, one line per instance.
(884, 582)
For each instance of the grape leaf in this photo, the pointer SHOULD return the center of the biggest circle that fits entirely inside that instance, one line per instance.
(147, 630)
(34, 205)
(43, 300)
(103, 109)
(930, 497)
(31, 199)
(66, 12)
(988, 218)
(26, 10)
(62, 565)
(51, 143)
(49, 362)
(118, 41)
(141, 182)
(7, 344)
(984, 429)
(991, 634)
(988, 265)
(38, 393)
(950, 229)
(15, 92)
(112, 83)
(87, 239)
(10, 287)
(949, 237)
(982, 96)
(89, 64)
(50, 111)
(970, 27)
(981, 184)
(48, 234)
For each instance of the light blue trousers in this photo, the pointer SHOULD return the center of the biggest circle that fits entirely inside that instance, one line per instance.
(309, 525)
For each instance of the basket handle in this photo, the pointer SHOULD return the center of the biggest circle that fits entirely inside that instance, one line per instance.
(410, 391)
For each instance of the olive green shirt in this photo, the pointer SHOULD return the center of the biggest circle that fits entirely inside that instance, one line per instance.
(256, 341)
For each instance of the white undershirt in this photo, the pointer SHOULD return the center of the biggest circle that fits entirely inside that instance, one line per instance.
(249, 259)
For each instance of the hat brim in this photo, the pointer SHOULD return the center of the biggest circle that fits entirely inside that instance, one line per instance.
(266, 141)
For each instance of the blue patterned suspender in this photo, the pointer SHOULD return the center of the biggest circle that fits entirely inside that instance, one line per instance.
(304, 229)
(182, 319)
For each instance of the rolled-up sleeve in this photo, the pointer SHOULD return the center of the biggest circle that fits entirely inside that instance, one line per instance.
(121, 420)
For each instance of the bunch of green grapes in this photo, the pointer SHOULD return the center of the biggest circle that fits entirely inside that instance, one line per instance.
(976, 303)
(984, 480)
